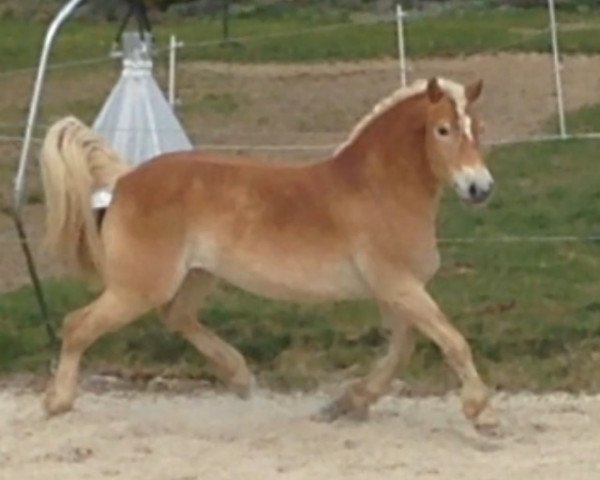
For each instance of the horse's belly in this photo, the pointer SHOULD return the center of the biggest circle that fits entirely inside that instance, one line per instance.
(294, 279)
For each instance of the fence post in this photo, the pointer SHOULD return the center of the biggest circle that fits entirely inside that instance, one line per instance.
(401, 48)
(557, 68)
(173, 46)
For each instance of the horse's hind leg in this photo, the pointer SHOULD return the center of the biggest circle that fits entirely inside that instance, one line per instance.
(355, 401)
(180, 315)
(111, 311)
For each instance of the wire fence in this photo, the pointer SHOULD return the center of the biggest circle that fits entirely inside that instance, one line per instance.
(10, 237)
(59, 66)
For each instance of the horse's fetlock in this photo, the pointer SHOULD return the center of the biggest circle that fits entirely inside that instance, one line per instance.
(474, 399)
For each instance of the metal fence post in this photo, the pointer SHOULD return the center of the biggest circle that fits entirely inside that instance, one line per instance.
(557, 68)
(173, 46)
(401, 47)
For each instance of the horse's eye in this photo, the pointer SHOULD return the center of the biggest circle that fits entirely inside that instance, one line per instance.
(443, 131)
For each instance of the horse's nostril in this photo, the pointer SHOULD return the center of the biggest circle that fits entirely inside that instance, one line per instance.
(473, 190)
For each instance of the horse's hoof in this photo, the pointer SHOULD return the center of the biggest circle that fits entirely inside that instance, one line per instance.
(54, 405)
(475, 401)
(327, 414)
(243, 389)
(490, 431)
(341, 407)
(487, 424)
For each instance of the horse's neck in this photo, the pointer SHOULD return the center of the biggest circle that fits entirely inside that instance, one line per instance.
(388, 160)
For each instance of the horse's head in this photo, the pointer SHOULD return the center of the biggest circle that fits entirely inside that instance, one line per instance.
(452, 139)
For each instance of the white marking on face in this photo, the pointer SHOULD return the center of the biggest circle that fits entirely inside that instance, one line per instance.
(468, 126)
(457, 93)
(473, 183)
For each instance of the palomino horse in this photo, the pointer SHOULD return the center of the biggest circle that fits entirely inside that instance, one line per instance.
(361, 224)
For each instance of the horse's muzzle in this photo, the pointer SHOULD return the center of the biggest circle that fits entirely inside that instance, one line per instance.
(473, 185)
(478, 195)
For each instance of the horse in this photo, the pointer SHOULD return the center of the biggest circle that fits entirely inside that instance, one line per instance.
(360, 224)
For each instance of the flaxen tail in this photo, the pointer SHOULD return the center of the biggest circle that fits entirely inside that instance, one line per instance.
(75, 162)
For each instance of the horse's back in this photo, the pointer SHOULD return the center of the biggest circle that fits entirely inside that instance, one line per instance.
(277, 197)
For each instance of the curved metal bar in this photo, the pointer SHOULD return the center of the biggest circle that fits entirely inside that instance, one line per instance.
(61, 17)
(19, 185)
(35, 279)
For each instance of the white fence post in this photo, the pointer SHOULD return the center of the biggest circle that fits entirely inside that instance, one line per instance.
(173, 46)
(401, 49)
(557, 68)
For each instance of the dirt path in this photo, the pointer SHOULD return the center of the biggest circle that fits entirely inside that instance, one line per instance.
(132, 435)
(317, 104)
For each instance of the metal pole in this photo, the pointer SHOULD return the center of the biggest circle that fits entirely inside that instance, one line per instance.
(172, 59)
(19, 183)
(172, 90)
(58, 21)
(401, 49)
(557, 68)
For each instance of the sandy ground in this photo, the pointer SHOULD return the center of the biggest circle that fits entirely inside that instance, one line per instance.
(133, 435)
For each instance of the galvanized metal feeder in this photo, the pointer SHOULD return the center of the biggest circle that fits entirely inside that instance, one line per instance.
(136, 120)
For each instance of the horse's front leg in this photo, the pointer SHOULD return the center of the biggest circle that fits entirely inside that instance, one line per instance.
(412, 301)
(412, 307)
(357, 398)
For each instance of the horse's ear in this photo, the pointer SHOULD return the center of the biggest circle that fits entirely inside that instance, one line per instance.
(473, 91)
(434, 91)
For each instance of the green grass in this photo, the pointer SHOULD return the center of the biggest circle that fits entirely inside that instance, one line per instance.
(585, 120)
(531, 311)
(342, 36)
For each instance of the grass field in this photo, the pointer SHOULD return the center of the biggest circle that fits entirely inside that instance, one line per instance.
(324, 36)
(530, 310)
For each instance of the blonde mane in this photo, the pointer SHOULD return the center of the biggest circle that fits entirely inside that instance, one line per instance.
(454, 90)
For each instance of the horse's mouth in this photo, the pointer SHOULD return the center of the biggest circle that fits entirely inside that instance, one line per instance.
(477, 199)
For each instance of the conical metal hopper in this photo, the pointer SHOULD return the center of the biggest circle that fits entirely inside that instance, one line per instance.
(136, 119)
